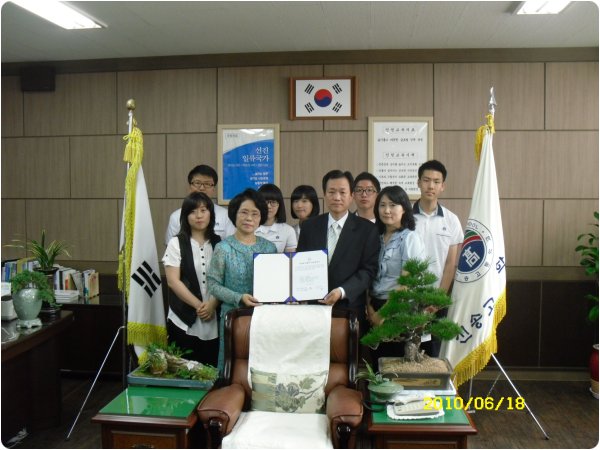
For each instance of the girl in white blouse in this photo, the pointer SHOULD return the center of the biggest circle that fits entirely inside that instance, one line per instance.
(191, 322)
(305, 204)
(275, 229)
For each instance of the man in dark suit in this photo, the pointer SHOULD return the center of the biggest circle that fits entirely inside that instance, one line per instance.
(352, 243)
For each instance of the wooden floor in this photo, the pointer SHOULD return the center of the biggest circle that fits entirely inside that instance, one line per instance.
(566, 410)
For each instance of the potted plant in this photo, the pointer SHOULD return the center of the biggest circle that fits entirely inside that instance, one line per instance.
(45, 256)
(589, 260)
(381, 388)
(406, 319)
(29, 289)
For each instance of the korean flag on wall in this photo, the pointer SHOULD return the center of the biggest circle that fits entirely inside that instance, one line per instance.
(323, 98)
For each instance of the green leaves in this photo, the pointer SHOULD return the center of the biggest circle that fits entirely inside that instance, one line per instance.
(37, 280)
(44, 255)
(589, 262)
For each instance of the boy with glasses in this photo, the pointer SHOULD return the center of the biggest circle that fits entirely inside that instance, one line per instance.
(203, 178)
(365, 190)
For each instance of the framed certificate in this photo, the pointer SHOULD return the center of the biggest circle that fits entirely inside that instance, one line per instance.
(248, 157)
(397, 147)
(323, 98)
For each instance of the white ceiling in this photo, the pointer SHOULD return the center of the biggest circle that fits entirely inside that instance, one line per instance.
(142, 29)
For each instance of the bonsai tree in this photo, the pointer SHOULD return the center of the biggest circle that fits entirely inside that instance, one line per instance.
(589, 260)
(36, 280)
(405, 317)
(45, 255)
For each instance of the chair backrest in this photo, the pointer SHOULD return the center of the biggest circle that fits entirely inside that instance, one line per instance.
(343, 352)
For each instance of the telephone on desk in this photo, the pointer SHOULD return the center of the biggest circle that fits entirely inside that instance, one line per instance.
(411, 405)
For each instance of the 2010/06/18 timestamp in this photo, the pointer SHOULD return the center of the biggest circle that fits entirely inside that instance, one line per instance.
(476, 403)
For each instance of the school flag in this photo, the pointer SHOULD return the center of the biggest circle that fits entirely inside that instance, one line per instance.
(479, 293)
(139, 273)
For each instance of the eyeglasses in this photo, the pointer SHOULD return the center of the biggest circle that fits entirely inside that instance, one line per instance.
(254, 215)
(202, 184)
(272, 203)
(367, 191)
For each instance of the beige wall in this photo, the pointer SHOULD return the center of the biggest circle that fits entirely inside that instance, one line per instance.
(62, 150)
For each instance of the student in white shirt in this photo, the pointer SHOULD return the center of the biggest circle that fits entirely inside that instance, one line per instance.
(365, 190)
(275, 229)
(441, 232)
(192, 320)
(203, 178)
(305, 204)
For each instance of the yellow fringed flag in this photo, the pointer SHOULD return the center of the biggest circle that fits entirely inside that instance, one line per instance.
(139, 275)
(479, 293)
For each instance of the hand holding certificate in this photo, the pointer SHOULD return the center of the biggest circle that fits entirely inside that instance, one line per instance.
(290, 277)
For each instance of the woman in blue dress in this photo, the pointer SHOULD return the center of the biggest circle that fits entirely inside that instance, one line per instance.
(399, 242)
(231, 269)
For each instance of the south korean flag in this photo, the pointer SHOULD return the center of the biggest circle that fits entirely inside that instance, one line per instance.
(323, 98)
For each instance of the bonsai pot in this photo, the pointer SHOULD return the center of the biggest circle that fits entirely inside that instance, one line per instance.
(393, 368)
(384, 391)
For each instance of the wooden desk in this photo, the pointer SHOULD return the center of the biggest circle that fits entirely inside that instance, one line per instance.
(31, 387)
(449, 431)
(152, 417)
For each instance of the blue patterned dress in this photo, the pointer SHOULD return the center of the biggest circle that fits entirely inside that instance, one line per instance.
(230, 275)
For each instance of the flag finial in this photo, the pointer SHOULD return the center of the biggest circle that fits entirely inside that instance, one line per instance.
(492, 104)
(131, 104)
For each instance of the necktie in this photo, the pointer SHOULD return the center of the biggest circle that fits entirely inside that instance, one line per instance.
(332, 238)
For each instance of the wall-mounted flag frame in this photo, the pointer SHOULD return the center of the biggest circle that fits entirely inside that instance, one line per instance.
(323, 98)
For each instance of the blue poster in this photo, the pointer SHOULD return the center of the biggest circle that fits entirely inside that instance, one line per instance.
(247, 163)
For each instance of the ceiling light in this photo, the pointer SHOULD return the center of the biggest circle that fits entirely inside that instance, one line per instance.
(542, 7)
(58, 13)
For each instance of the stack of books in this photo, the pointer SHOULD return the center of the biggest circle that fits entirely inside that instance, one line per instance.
(66, 296)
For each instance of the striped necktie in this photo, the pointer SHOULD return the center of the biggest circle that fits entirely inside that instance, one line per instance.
(332, 238)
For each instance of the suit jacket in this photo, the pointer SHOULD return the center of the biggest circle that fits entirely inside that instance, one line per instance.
(355, 259)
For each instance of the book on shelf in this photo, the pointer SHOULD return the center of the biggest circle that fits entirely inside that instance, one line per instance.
(290, 277)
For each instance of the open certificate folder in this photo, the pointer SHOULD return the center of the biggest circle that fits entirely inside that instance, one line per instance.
(288, 277)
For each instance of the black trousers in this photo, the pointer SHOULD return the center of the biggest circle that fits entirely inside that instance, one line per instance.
(206, 352)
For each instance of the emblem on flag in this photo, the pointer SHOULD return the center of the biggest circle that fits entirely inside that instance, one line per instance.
(321, 98)
(477, 253)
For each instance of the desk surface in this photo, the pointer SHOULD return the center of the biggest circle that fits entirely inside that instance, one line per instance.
(16, 341)
(154, 401)
(454, 421)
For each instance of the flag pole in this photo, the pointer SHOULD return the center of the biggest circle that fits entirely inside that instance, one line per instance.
(492, 110)
(123, 327)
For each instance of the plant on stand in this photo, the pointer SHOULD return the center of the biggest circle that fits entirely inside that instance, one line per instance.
(45, 256)
(29, 289)
(589, 260)
(408, 314)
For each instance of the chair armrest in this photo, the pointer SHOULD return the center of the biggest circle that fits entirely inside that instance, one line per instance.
(344, 405)
(224, 404)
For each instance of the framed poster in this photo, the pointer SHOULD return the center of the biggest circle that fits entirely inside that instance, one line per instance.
(248, 157)
(397, 147)
(323, 98)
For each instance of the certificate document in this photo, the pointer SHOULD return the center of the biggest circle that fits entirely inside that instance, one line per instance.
(287, 277)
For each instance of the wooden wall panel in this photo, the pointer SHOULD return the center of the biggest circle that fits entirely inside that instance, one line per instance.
(98, 169)
(81, 104)
(522, 222)
(564, 220)
(184, 152)
(13, 227)
(169, 101)
(572, 96)
(529, 164)
(386, 90)
(250, 95)
(89, 226)
(461, 95)
(12, 107)
(306, 157)
(35, 168)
